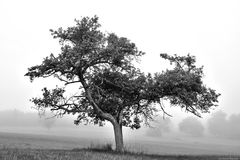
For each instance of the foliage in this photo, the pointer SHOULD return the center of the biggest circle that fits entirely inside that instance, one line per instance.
(110, 86)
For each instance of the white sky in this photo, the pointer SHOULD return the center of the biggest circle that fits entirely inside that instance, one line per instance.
(208, 29)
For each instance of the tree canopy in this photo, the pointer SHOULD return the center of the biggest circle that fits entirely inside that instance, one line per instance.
(110, 86)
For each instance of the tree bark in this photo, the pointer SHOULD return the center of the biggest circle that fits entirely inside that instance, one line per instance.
(118, 136)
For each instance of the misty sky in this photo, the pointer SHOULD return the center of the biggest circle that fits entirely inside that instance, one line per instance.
(208, 29)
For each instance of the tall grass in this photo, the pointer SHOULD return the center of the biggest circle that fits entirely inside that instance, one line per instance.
(101, 147)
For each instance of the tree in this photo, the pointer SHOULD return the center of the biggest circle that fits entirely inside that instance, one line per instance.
(111, 88)
(47, 120)
(158, 127)
(191, 126)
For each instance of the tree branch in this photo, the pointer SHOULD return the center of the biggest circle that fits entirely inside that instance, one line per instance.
(99, 112)
(162, 108)
(66, 81)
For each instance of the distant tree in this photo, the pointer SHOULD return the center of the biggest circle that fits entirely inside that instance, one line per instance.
(110, 86)
(191, 126)
(224, 126)
(218, 124)
(47, 120)
(158, 127)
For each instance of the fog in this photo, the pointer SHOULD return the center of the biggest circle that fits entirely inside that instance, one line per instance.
(191, 126)
(17, 118)
(16, 121)
(159, 127)
(48, 120)
(218, 125)
(164, 134)
(224, 126)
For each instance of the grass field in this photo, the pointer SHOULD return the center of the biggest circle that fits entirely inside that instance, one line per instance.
(89, 154)
(16, 146)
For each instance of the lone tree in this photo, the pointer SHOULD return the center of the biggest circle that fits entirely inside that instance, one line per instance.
(111, 88)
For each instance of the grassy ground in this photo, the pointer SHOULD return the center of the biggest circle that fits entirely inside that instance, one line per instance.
(41, 147)
(150, 146)
(92, 154)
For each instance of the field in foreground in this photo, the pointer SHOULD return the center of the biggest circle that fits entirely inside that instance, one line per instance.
(89, 154)
(16, 146)
(161, 146)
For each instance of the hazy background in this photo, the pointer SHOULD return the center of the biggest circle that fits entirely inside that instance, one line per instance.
(217, 125)
(208, 29)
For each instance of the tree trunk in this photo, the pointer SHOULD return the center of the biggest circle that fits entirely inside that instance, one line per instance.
(118, 136)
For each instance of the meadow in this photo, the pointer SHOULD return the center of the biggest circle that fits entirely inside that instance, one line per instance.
(18, 146)
(89, 154)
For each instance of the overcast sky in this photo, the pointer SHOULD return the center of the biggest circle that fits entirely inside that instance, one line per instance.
(208, 29)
